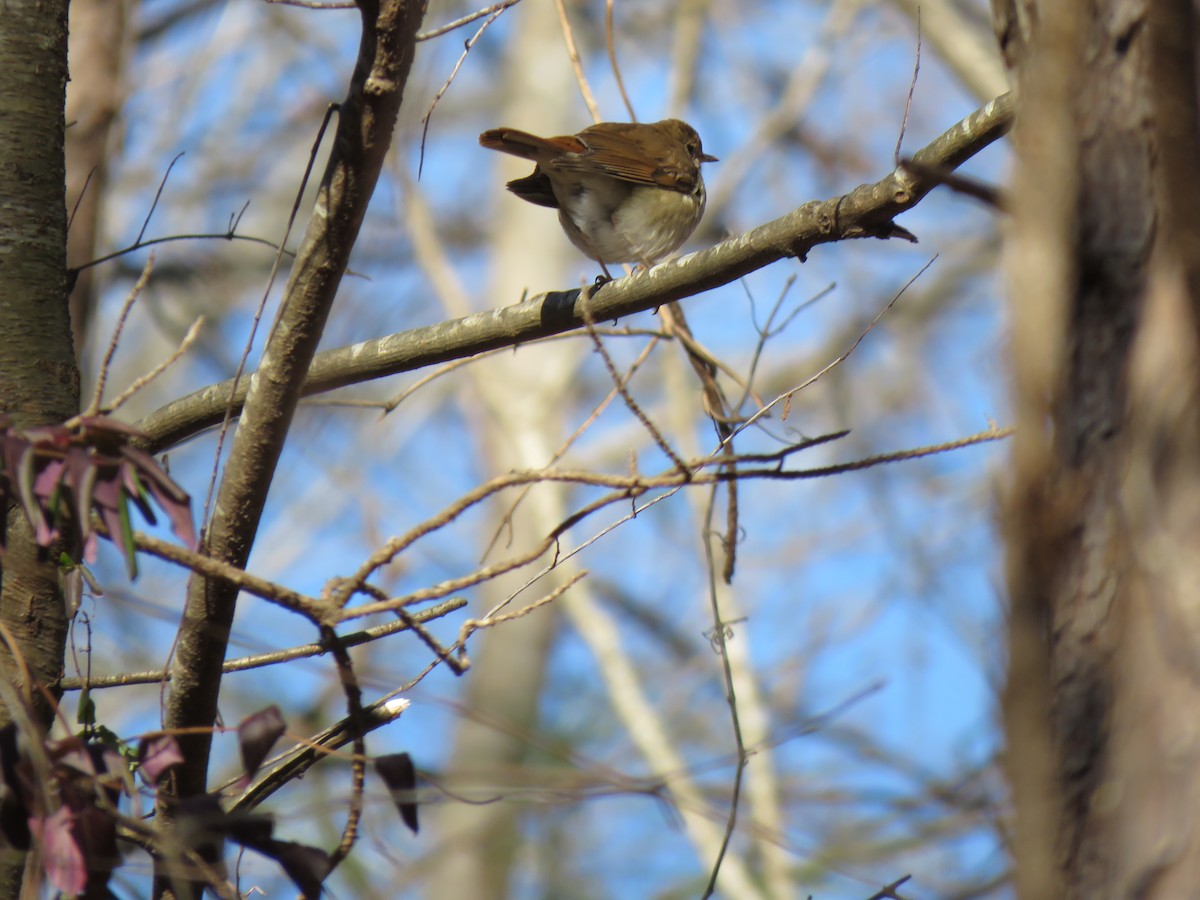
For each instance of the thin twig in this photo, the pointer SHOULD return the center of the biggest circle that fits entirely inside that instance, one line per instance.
(157, 195)
(241, 368)
(960, 184)
(912, 87)
(888, 892)
(766, 332)
(612, 58)
(126, 307)
(261, 660)
(573, 54)
(623, 487)
(79, 200)
(142, 380)
(227, 235)
(561, 451)
(355, 723)
(466, 20)
(462, 57)
(309, 607)
(428, 639)
(491, 620)
(630, 403)
(786, 397)
(721, 634)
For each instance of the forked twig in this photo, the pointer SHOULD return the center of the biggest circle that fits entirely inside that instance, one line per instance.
(141, 381)
(623, 390)
(102, 376)
(466, 20)
(496, 13)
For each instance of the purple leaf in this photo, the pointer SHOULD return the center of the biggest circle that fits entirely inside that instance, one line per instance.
(48, 436)
(257, 734)
(400, 776)
(150, 469)
(173, 499)
(180, 515)
(81, 475)
(106, 494)
(108, 499)
(62, 857)
(45, 482)
(137, 492)
(113, 769)
(157, 755)
(63, 476)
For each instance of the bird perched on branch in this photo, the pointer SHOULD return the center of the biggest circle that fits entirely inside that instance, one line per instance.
(625, 192)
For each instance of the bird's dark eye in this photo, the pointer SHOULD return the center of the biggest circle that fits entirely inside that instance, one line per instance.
(693, 149)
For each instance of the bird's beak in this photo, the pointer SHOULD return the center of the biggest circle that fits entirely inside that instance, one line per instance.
(707, 157)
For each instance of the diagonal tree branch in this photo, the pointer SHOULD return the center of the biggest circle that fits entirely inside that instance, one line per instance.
(366, 120)
(867, 211)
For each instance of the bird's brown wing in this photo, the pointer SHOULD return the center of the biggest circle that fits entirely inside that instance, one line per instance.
(631, 153)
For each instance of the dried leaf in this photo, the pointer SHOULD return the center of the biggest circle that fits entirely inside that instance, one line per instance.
(257, 734)
(400, 776)
(82, 472)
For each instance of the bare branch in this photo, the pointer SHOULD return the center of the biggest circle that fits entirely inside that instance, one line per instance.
(365, 123)
(259, 660)
(867, 211)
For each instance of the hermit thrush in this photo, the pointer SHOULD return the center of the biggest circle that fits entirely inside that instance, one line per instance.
(624, 192)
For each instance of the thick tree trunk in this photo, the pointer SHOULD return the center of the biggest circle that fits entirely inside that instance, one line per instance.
(39, 382)
(1101, 520)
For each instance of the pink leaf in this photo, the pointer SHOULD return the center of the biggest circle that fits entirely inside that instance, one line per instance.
(62, 858)
(157, 755)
